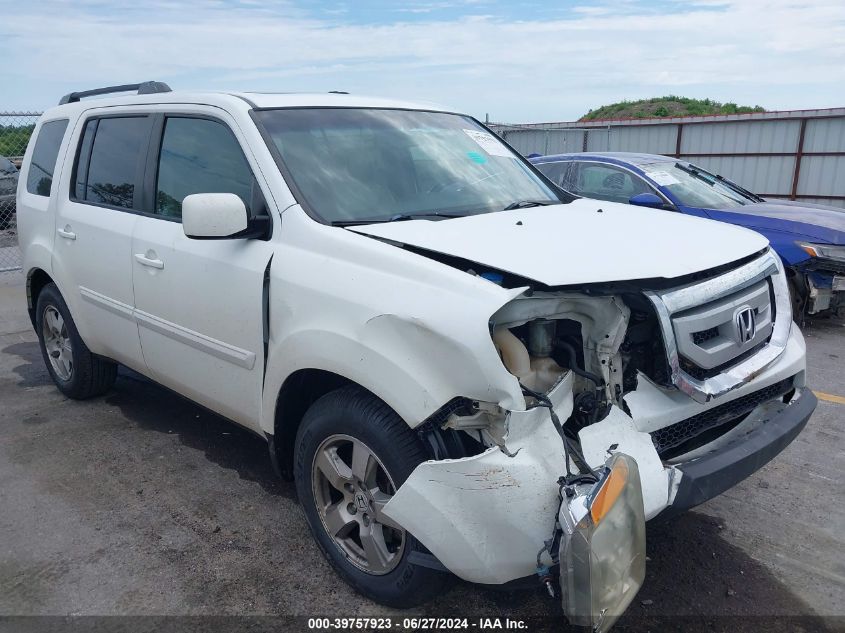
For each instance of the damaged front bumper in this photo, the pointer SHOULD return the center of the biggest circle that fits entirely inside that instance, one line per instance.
(484, 517)
(710, 475)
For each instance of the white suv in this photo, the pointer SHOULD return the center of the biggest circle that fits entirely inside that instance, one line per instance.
(464, 368)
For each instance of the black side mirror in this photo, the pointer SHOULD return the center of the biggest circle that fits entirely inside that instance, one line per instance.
(650, 200)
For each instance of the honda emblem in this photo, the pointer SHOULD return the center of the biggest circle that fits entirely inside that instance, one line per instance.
(745, 324)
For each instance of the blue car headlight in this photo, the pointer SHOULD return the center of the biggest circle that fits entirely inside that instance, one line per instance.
(823, 251)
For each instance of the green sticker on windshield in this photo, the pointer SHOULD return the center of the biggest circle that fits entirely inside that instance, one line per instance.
(477, 158)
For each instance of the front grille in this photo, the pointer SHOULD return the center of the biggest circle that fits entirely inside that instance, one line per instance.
(700, 373)
(677, 439)
(705, 335)
(826, 266)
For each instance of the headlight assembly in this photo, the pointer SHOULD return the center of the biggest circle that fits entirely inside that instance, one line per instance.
(823, 251)
(602, 552)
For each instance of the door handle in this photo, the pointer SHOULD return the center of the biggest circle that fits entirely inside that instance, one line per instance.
(147, 261)
(66, 233)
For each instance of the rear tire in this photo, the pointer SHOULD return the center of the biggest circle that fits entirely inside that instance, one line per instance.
(352, 453)
(77, 372)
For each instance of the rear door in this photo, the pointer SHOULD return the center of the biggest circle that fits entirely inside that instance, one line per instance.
(199, 303)
(92, 251)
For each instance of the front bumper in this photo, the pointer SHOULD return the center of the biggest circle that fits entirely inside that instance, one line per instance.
(485, 517)
(826, 290)
(712, 474)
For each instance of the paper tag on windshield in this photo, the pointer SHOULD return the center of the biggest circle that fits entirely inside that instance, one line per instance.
(488, 143)
(663, 178)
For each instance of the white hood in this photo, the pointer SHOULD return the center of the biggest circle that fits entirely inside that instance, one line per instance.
(575, 243)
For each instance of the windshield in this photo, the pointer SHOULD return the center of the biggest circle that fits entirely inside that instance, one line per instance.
(356, 164)
(693, 187)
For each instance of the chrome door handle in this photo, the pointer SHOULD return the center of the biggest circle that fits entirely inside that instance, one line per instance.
(66, 233)
(146, 261)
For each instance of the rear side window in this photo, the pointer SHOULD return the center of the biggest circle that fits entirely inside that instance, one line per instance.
(199, 156)
(43, 163)
(110, 159)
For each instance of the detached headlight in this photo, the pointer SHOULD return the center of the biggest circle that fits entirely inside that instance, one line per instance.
(824, 251)
(602, 551)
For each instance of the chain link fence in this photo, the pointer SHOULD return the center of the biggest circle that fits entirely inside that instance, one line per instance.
(15, 130)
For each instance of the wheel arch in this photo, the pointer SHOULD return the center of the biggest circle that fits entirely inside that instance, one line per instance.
(36, 280)
(299, 391)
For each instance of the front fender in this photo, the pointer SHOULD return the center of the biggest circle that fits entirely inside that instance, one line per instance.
(402, 360)
(411, 330)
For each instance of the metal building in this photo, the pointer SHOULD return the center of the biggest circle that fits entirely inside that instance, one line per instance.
(797, 154)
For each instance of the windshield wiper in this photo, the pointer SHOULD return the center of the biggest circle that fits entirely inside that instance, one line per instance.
(524, 204)
(692, 171)
(738, 189)
(712, 180)
(399, 217)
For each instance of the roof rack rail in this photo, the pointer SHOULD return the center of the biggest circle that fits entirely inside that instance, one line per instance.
(144, 88)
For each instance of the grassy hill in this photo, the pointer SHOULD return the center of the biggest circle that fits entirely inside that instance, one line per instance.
(666, 107)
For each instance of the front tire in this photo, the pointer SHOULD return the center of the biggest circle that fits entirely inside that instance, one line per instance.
(352, 454)
(77, 372)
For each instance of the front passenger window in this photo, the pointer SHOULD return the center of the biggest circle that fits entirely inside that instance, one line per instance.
(556, 172)
(606, 182)
(199, 156)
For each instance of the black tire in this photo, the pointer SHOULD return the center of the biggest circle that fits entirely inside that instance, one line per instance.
(354, 412)
(90, 375)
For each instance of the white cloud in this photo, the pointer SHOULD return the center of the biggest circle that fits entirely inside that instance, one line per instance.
(778, 54)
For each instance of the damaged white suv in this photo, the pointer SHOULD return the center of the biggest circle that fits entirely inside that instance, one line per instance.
(465, 369)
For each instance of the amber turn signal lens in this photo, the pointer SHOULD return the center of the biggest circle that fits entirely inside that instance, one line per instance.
(609, 492)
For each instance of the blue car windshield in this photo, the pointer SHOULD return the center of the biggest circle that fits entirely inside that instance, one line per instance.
(352, 165)
(694, 187)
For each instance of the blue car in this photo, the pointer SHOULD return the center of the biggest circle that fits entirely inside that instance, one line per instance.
(809, 238)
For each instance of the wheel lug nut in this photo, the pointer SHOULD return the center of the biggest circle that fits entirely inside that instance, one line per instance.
(366, 518)
(351, 508)
(349, 487)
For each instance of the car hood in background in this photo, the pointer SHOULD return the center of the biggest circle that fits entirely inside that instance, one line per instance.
(585, 241)
(815, 221)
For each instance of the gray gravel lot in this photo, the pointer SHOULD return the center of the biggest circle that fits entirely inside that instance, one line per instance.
(142, 503)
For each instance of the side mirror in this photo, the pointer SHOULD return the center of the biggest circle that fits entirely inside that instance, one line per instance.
(651, 200)
(214, 216)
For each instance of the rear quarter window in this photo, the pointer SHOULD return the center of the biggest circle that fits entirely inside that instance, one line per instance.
(39, 179)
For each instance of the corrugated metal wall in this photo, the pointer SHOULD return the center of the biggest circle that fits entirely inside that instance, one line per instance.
(797, 154)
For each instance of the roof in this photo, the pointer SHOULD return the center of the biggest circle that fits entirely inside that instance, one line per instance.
(627, 157)
(242, 101)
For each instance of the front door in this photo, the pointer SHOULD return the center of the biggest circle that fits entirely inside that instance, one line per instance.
(199, 303)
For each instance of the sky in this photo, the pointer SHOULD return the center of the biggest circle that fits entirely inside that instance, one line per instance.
(516, 61)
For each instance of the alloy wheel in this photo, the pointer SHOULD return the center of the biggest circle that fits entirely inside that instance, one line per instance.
(57, 342)
(351, 487)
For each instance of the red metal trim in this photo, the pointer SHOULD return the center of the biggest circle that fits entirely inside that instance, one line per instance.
(759, 154)
(798, 153)
(762, 116)
(678, 140)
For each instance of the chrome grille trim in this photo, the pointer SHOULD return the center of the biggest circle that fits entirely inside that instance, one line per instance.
(724, 347)
(671, 302)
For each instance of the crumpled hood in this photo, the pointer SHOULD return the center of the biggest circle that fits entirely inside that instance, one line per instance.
(815, 221)
(576, 243)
